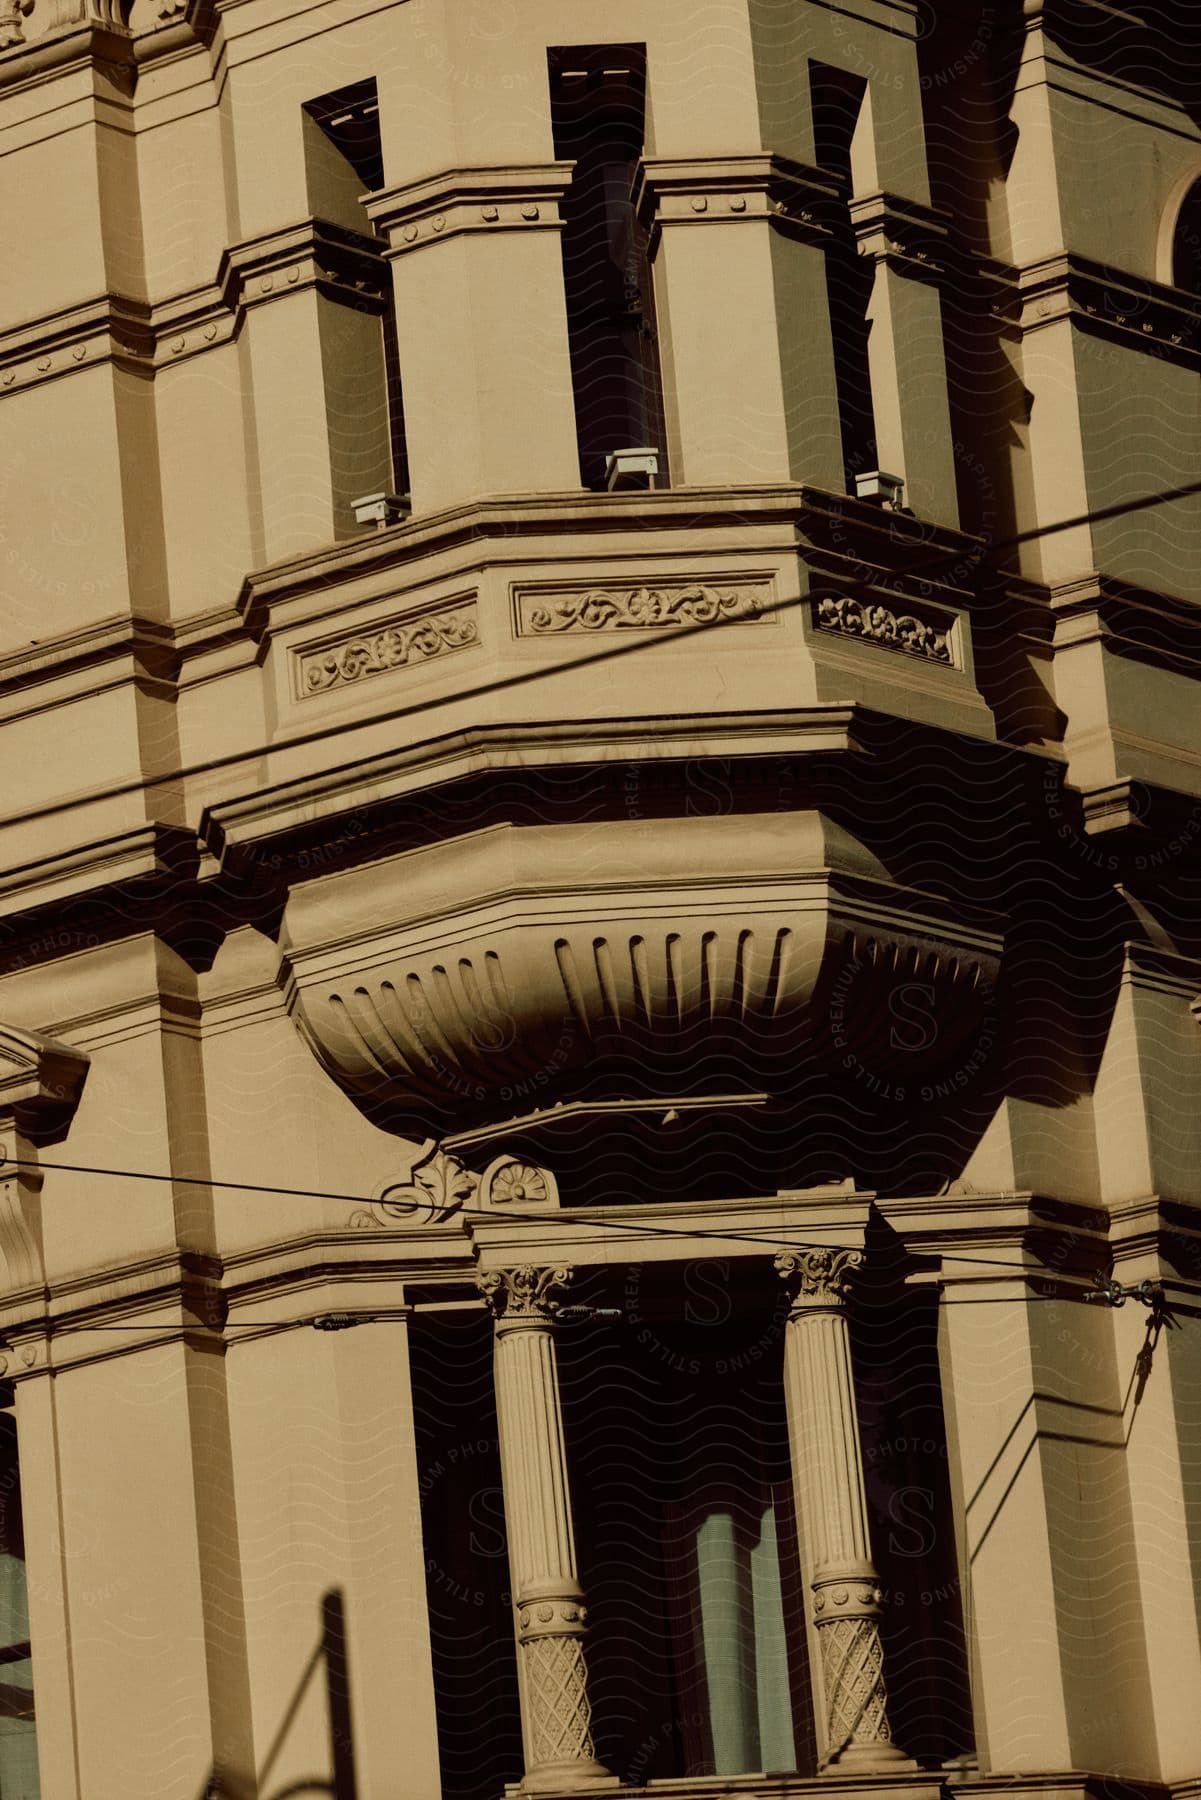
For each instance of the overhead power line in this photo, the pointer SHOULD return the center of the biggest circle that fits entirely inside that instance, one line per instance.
(574, 1217)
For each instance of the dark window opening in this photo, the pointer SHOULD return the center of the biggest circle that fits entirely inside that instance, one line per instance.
(1186, 243)
(344, 160)
(836, 97)
(18, 1740)
(681, 1494)
(466, 1555)
(598, 112)
(907, 1482)
(350, 121)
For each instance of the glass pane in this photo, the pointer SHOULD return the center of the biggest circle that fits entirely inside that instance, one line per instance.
(14, 1603)
(18, 1743)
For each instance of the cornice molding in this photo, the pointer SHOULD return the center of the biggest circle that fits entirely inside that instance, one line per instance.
(1158, 1237)
(280, 1284)
(311, 254)
(1145, 826)
(436, 208)
(508, 519)
(1157, 969)
(906, 236)
(1115, 47)
(848, 533)
(1132, 311)
(742, 1227)
(1049, 1239)
(145, 852)
(41, 1080)
(841, 540)
(72, 34)
(145, 643)
(754, 188)
(1143, 624)
(66, 34)
(231, 828)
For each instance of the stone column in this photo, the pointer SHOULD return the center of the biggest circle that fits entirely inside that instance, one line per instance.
(548, 1602)
(828, 1480)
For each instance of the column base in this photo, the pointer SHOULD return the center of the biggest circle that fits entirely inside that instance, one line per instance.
(869, 1759)
(562, 1778)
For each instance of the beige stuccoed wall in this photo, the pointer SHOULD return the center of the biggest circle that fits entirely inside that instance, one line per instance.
(326, 1490)
(177, 546)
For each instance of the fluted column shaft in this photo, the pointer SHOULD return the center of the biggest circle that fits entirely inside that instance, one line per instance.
(548, 1602)
(828, 1478)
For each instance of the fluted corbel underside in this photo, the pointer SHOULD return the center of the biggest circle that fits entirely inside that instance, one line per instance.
(484, 968)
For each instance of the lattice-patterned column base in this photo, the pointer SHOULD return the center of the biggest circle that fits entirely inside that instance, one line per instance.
(554, 1673)
(846, 1612)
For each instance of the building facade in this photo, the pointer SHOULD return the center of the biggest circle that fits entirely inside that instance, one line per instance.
(599, 973)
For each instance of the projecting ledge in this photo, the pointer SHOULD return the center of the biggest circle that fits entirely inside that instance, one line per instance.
(439, 979)
(918, 1785)
(921, 1784)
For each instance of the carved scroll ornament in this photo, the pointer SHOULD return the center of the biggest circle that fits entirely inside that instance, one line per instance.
(881, 625)
(637, 608)
(436, 1187)
(393, 647)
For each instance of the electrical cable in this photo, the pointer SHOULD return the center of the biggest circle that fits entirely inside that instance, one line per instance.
(576, 1217)
(482, 1213)
(987, 550)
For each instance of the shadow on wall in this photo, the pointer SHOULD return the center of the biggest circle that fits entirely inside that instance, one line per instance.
(329, 1663)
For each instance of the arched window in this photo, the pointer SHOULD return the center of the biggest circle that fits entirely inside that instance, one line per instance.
(1186, 242)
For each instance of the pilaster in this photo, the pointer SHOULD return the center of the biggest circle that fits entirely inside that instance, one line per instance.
(487, 387)
(311, 350)
(1147, 1102)
(332, 1561)
(744, 317)
(40, 1084)
(1157, 1347)
(1036, 1433)
(904, 243)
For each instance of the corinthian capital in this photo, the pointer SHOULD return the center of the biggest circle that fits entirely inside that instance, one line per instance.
(525, 1295)
(818, 1276)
